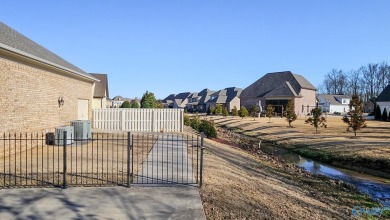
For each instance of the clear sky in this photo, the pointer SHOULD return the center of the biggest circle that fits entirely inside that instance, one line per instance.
(167, 46)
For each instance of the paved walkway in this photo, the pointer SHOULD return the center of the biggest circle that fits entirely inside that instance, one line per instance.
(179, 202)
(169, 162)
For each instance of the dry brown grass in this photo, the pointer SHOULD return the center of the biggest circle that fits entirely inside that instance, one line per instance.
(102, 161)
(240, 185)
(372, 143)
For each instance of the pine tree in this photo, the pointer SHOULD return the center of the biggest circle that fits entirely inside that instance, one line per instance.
(253, 112)
(225, 112)
(270, 112)
(317, 120)
(218, 109)
(354, 118)
(289, 113)
(148, 100)
(212, 109)
(384, 115)
(234, 111)
(378, 113)
(243, 112)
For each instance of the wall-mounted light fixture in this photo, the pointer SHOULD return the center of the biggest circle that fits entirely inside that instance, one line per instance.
(60, 101)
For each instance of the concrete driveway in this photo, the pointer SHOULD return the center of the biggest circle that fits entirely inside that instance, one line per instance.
(145, 202)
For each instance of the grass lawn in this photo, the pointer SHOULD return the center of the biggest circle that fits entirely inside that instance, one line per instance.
(370, 152)
(243, 185)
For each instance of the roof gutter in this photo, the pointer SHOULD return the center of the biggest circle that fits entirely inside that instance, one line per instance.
(40, 60)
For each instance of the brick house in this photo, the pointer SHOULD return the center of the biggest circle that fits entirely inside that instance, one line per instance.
(39, 90)
(277, 89)
(229, 98)
(100, 94)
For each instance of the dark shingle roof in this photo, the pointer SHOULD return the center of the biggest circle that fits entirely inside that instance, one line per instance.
(271, 81)
(101, 88)
(15, 42)
(384, 96)
(205, 96)
(226, 95)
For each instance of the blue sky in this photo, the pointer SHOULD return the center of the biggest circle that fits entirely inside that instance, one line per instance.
(167, 46)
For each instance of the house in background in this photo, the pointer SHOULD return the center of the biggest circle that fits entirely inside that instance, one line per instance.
(383, 99)
(109, 103)
(100, 94)
(39, 90)
(197, 101)
(180, 100)
(229, 98)
(277, 89)
(168, 101)
(334, 103)
(117, 101)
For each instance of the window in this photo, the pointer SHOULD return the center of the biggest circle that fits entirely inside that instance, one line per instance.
(344, 101)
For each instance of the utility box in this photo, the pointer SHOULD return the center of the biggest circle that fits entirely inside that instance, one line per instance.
(82, 129)
(50, 138)
(59, 136)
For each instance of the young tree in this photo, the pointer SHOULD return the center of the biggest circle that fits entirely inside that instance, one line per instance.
(384, 115)
(289, 113)
(378, 113)
(270, 112)
(317, 120)
(212, 109)
(253, 111)
(225, 112)
(148, 100)
(209, 111)
(243, 112)
(134, 104)
(234, 111)
(218, 109)
(125, 104)
(354, 118)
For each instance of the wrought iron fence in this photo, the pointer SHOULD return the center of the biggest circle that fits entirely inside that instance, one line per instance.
(104, 159)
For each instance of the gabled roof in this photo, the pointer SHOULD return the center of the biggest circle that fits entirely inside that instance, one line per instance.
(283, 90)
(226, 95)
(182, 96)
(384, 96)
(15, 42)
(275, 82)
(205, 96)
(169, 98)
(333, 98)
(101, 88)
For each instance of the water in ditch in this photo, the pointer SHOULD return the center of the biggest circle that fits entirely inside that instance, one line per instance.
(377, 188)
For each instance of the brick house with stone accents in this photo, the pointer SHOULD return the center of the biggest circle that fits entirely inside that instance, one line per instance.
(277, 89)
(34, 81)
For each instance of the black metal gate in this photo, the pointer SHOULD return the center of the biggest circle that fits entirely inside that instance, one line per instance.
(104, 159)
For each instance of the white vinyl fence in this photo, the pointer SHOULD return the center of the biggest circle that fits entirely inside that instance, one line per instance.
(136, 119)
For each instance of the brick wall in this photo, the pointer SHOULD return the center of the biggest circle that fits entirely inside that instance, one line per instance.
(29, 96)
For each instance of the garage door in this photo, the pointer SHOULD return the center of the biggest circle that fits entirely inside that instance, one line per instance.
(82, 109)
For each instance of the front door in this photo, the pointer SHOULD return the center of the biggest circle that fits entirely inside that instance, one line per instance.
(82, 109)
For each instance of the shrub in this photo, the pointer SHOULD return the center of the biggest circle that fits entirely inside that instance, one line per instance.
(384, 115)
(270, 112)
(208, 128)
(243, 112)
(134, 104)
(125, 104)
(253, 111)
(195, 123)
(225, 112)
(234, 111)
(187, 120)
